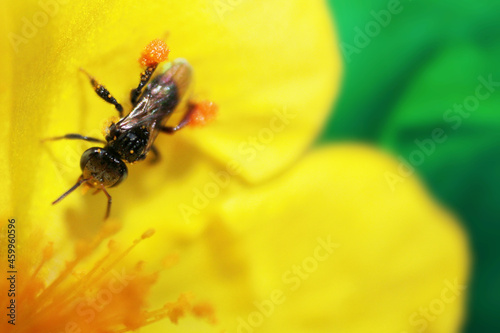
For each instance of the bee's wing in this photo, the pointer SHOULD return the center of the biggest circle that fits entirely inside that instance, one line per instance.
(167, 94)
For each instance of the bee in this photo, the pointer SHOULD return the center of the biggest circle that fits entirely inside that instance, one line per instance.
(131, 138)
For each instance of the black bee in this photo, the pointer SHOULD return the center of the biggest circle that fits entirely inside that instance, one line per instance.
(132, 137)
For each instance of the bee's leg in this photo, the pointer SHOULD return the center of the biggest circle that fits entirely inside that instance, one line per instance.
(173, 129)
(197, 114)
(73, 136)
(108, 209)
(145, 77)
(154, 53)
(184, 121)
(156, 155)
(102, 92)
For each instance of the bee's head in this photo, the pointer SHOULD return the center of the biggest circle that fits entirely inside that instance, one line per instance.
(102, 167)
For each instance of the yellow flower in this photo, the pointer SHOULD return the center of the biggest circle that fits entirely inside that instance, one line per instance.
(274, 236)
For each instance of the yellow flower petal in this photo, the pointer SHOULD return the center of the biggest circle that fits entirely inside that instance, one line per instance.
(251, 70)
(327, 247)
(260, 63)
(5, 99)
(274, 71)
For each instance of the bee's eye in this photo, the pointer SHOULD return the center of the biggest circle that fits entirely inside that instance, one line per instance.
(87, 155)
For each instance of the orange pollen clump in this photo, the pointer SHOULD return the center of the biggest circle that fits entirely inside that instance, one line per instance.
(154, 53)
(203, 113)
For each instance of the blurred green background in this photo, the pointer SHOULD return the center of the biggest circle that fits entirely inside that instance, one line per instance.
(416, 67)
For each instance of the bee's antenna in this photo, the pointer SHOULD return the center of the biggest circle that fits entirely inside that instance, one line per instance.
(78, 183)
